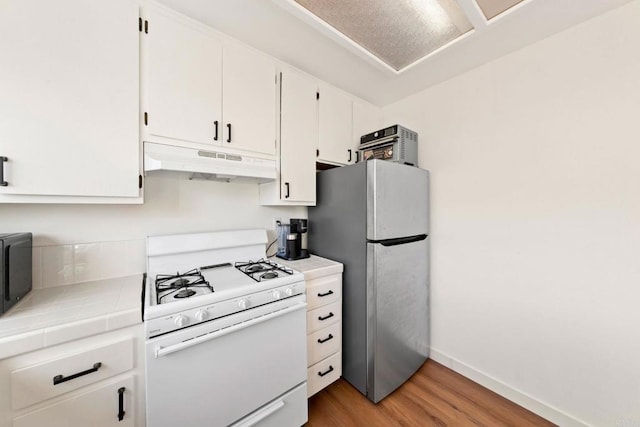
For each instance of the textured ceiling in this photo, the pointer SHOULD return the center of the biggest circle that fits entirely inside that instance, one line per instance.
(273, 27)
(397, 32)
(493, 8)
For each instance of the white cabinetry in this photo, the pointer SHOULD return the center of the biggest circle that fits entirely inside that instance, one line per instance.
(367, 118)
(90, 382)
(69, 100)
(296, 182)
(323, 279)
(249, 88)
(335, 133)
(183, 77)
(108, 405)
(201, 89)
(324, 329)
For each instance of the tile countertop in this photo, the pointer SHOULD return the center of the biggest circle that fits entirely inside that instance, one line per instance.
(46, 317)
(313, 267)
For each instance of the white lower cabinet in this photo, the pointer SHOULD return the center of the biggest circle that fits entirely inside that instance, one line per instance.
(96, 381)
(323, 279)
(107, 405)
(324, 332)
(323, 373)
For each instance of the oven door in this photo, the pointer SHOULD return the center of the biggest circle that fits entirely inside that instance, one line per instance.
(218, 372)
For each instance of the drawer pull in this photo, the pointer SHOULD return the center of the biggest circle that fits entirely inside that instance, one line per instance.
(121, 403)
(328, 371)
(322, 341)
(328, 316)
(61, 378)
(326, 294)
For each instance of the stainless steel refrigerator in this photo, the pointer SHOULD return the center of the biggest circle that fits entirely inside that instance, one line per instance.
(374, 218)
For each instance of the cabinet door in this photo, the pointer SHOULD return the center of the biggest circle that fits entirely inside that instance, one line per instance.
(367, 118)
(335, 126)
(184, 75)
(298, 138)
(249, 100)
(69, 97)
(98, 408)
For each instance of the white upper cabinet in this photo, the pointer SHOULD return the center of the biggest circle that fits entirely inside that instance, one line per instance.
(201, 89)
(298, 138)
(335, 132)
(249, 99)
(69, 99)
(184, 80)
(367, 118)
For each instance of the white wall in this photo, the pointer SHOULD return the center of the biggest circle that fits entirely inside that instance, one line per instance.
(89, 242)
(536, 220)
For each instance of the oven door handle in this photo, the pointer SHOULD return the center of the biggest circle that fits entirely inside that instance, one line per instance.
(163, 351)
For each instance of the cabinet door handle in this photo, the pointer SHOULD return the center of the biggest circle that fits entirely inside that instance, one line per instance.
(228, 132)
(328, 316)
(326, 294)
(286, 184)
(61, 378)
(121, 411)
(3, 183)
(349, 155)
(215, 136)
(328, 371)
(322, 341)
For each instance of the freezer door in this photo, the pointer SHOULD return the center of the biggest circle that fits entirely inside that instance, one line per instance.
(397, 200)
(397, 314)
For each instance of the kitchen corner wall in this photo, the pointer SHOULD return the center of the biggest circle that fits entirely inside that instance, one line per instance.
(75, 243)
(536, 221)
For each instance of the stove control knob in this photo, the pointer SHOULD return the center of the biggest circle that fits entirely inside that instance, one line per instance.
(289, 292)
(243, 304)
(201, 315)
(181, 320)
(276, 294)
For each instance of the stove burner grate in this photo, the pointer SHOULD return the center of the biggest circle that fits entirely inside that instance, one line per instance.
(185, 293)
(181, 285)
(263, 269)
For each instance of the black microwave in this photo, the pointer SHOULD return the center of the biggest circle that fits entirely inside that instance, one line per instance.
(15, 268)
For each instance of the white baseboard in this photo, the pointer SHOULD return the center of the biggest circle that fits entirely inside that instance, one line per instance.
(536, 406)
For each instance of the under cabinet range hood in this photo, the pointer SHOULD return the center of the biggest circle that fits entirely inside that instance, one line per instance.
(211, 164)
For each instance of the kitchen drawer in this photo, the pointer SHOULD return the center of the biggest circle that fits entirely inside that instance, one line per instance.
(287, 410)
(324, 316)
(99, 407)
(324, 343)
(35, 383)
(323, 373)
(324, 290)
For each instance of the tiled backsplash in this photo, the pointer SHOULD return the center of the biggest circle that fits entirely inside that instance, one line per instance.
(85, 262)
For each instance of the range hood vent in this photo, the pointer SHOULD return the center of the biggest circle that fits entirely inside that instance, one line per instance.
(213, 165)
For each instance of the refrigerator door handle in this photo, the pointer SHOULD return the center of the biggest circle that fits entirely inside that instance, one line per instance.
(399, 241)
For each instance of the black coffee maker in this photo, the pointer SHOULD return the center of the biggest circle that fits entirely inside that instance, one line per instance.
(290, 245)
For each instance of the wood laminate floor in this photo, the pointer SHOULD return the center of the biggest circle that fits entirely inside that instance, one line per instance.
(434, 396)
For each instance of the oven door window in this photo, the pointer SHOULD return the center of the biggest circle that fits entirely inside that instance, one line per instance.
(220, 380)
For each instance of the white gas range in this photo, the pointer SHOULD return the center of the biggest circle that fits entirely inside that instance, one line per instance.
(225, 333)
